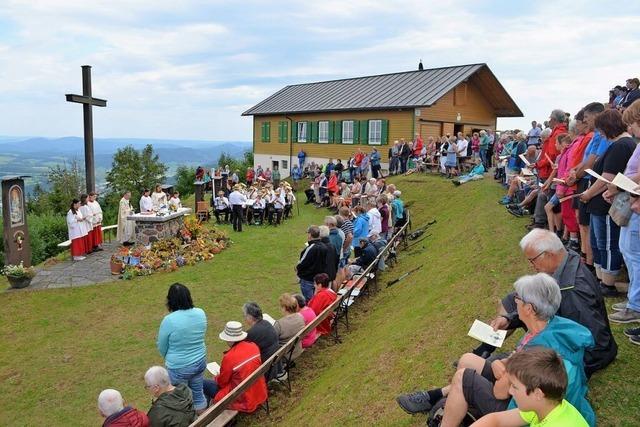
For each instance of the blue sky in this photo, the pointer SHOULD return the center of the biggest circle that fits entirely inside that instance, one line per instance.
(187, 69)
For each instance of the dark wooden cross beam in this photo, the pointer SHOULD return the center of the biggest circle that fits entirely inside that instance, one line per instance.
(87, 102)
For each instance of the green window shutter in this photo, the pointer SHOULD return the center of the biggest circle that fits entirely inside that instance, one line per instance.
(384, 133)
(268, 132)
(285, 131)
(263, 136)
(331, 134)
(314, 131)
(337, 132)
(364, 132)
(294, 131)
(356, 131)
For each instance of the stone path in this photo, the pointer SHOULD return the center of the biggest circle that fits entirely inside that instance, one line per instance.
(70, 274)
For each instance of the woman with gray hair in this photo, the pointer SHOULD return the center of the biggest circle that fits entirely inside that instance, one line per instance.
(482, 386)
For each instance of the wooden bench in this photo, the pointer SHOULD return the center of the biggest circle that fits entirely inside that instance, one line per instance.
(67, 243)
(219, 415)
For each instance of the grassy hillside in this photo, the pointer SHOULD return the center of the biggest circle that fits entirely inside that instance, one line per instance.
(59, 348)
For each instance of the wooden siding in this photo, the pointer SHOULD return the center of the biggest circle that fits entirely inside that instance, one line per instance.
(400, 126)
(476, 112)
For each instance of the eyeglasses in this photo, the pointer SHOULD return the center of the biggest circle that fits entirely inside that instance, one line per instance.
(519, 298)
(533, 260)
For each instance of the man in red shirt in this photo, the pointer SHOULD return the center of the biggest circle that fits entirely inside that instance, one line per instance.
(544, 165)
(323, 298)
(240, 361)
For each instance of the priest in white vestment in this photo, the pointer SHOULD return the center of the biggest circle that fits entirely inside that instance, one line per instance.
(159, 198)
(126, 228)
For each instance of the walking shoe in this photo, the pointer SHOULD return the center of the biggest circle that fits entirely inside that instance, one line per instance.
(505, 200)
(619, 306)
(625, 316)
(630, 332)
(635, 339)
(517, 212)
(609, 291)
(573, 245)
(412, 403)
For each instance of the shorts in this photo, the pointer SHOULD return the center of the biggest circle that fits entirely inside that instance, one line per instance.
(554, 200)
(478, 392)
(583, 216)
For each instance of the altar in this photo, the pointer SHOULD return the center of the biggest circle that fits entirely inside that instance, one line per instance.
(154, 226)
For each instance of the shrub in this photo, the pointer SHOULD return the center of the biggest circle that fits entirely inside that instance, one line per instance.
(45, 232)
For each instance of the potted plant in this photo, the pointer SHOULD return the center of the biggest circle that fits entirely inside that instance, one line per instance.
(117, 264)
(19, 276)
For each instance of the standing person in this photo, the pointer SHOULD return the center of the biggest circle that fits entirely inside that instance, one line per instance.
(301, 157)
(275, 176)
(383, 208)
(484, 148)
(605, 233)
(418, 145)
(358, 161)
(87, 222)
(268, 175)
(76, 231)
(235, 179)
(393, 158)
(250, 176)
(146, 203)
(237, 201)
(533, 137)
(126, 228)
(181, 342)
(174, 201)
(475, 145)
(313, 260)
(347, 229)
(159, 197)
(96, 210)
(403, 155)
(451, 161)
(375, 163)
(490, 149)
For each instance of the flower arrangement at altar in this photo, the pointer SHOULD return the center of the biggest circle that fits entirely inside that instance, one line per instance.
(194, 243)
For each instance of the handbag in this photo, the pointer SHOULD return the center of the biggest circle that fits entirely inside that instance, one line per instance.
(620, 210)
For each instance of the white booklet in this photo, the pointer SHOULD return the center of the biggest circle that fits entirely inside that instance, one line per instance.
(626, 183)
(485, 333)
(268, 318)
(524, 159)
(597, 175)
(214, 368)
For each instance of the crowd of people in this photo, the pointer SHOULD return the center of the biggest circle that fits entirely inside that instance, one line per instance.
(579, 177)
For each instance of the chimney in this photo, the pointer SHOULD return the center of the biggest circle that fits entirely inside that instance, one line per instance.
(420, 67)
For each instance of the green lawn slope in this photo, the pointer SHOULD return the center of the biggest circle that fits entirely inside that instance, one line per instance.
(60, 348)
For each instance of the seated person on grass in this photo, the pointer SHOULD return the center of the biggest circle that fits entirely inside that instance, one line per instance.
(112, 409)
(581, 302)
(538, 382)
(323, 298)
(481, 386)
(238, 363)
(477, 172)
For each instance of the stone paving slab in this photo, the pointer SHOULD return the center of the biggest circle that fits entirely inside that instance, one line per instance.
(93, 270)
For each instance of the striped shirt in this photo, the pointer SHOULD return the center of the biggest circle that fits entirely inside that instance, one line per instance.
(347, 227)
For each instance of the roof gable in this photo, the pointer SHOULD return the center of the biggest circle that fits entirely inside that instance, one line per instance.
(387, 91)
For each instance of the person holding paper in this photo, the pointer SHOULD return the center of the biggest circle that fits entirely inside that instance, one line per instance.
(607, 258)
(483, 386)
(629, 311)
(238, 363)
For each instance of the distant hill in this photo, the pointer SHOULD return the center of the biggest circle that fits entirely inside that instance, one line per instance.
(35, 155)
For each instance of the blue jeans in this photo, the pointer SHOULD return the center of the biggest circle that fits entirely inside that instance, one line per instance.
(210, 388)
(605, 234)
(307, 288)
(192, 375)
(403, 164)
(483, 157)
(630, 248)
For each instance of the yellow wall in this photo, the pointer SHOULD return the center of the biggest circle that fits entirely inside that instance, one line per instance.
(400, 126)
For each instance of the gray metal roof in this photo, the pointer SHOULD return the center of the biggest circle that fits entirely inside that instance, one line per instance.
(385, 91)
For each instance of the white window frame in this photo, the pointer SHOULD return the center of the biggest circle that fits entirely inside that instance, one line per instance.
(302, 131)
(375, 132)
(323, 134)
(347, 133)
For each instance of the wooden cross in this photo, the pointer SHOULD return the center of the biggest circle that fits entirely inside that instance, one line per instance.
(87, 102)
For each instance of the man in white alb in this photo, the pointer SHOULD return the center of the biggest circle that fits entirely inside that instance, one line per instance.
(146, 203)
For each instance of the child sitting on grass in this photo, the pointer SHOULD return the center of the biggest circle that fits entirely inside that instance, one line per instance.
(538, 384)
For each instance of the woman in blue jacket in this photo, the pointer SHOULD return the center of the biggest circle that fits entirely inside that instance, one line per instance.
(181, 342)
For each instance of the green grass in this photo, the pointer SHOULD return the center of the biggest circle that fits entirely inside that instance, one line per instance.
(59, 348)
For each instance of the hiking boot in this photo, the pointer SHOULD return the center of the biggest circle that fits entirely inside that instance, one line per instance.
(609, 291)
(619, 306)
(625, 316)
(412, 403)
(630, 332)
(635, 339)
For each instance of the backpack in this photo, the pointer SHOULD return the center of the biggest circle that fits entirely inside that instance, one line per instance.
(434, 419)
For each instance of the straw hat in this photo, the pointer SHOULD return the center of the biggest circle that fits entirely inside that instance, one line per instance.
(233, 332)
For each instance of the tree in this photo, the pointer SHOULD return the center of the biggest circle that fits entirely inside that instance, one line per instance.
(240, 165)
(133, 171)
(185, 177)
(67, 183)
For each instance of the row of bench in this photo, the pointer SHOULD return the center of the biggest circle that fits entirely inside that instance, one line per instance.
(217, 415)
(105, 230)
